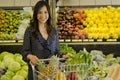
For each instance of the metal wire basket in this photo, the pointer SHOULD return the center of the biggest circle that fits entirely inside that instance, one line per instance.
(50, 71)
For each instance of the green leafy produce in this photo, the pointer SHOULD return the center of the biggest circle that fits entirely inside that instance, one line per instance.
(6, 77)
(80, 57)
(109, 56)
(84, 60)
(8, 61)
(67, 49)
(118, 59)
(18, 58)
(25, 67)
(22, 73)
(4, 53)
(2, 65)
(14, 66)
(9, 73)
(18, 77)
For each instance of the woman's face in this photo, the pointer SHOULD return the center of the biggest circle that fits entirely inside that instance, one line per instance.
(43, 15)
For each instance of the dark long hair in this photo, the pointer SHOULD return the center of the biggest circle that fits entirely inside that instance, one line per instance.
(34, 21)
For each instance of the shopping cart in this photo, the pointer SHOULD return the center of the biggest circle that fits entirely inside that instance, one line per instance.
(51, 71)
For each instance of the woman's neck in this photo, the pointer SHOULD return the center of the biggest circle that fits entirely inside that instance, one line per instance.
(42, 26)
(43, 31)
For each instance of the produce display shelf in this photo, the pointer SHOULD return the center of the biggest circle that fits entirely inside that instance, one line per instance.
(69, 41)
(10, 42)
(90, 43)
(3, 41)
(89, 40)
(107, 47)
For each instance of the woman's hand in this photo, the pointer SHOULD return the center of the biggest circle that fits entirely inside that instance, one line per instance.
(33, 59)
(66, 56)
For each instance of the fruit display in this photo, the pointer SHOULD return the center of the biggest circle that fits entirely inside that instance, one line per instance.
(9, 21)
(103, 23)
(70, 23)
(89, 23)
(12, 67)
(13, 23)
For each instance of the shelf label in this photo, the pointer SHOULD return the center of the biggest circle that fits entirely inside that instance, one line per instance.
(7, 41)
(67, 40)
(76, 40)
(99, 40)
(61, 40)
(20, 41)
(91, 40)
(111, 40)
(85, 40)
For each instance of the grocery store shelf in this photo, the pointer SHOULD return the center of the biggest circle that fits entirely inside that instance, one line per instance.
(68, 41)
(91, 43)
(111, 46)
(10, 42)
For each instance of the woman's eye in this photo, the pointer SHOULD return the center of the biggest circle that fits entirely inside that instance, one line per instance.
(46, 12)
(39, 12)
(42, 12)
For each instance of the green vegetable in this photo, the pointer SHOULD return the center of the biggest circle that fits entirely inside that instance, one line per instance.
(4, 53)
(84, 60)
(22, 73)
(14, 66)
(9, 73)
(5, 77)
(25, 67)
(109, 56)
(18, 77)
(2, 65)
(67, 49)
(18, 58)
(7, 61)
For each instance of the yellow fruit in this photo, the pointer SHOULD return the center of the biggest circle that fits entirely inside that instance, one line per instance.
(60, 75)
(64, 76)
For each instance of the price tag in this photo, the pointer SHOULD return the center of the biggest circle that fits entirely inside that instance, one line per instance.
(75, 40)
(61, 40)
(111, 40)
(7, 41)
(67, 40)
(20, 41)
(99, 40)
(91, 40)
(85, 40)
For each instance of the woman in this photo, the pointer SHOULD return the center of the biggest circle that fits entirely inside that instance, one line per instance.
(41, 38)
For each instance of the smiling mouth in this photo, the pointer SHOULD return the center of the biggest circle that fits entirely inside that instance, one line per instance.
(43, 19)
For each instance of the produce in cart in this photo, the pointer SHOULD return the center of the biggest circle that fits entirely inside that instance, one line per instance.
(48, 70)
